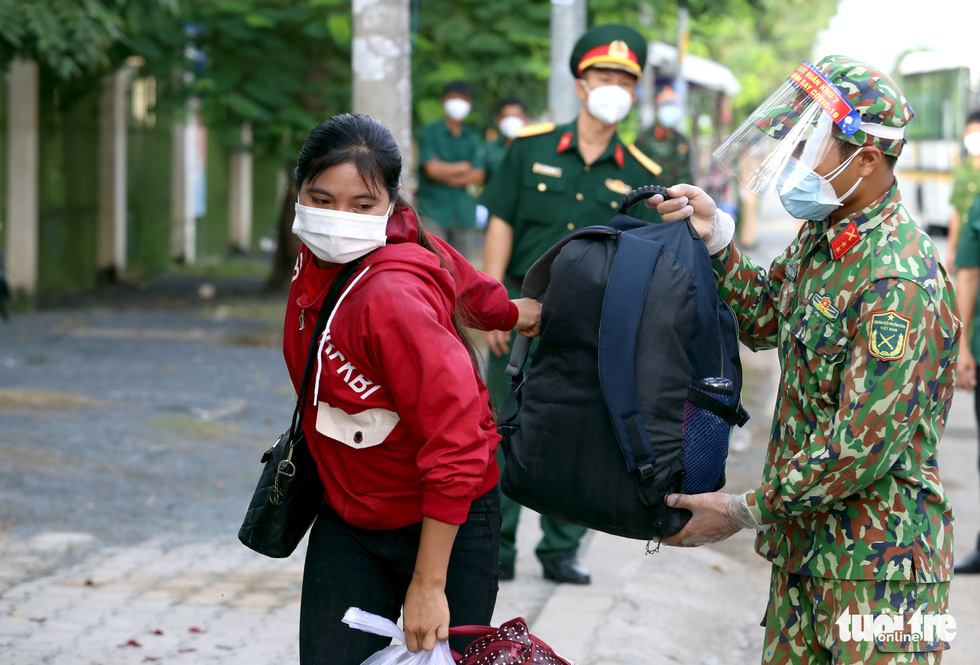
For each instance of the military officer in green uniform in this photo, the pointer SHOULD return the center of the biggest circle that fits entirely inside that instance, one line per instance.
(966, 183)
(553, 180)
(664, 141)
(851, 510)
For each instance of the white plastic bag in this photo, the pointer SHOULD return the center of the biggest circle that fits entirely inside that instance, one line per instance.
(396, 654)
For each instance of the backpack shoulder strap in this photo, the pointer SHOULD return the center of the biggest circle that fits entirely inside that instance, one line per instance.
(618, 327)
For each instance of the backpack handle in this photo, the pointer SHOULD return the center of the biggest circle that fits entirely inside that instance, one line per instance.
(641, 194)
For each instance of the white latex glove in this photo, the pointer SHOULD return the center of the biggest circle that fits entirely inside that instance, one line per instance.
(715, 517)
(714, 226)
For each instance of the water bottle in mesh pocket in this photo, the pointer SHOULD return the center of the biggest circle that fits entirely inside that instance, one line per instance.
(705, 438)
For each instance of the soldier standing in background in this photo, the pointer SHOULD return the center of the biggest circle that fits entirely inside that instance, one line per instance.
(665, 143)
(966, 183)
(967, 292)
(553, 180)
(511, 119)
(851, 512)
(451, 157)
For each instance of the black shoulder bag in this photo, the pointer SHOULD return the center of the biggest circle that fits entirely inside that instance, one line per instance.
(290, 493)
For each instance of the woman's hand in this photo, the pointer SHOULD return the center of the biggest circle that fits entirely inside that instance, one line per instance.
(528, 317)
(426, 615)
(426, 610)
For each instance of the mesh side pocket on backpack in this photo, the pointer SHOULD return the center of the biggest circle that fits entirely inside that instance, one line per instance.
(706, 438)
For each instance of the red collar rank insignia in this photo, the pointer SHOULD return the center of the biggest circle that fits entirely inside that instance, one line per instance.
(564, 141)
(888, 335)
(824, 305)
(844, 240)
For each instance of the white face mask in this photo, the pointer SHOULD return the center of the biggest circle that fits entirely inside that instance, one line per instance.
(510, 125)
(669, 115)
(456, 108)
(340, 237)
(972, 143)
(608, 104)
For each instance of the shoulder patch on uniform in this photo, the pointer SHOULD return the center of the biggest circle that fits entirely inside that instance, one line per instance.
(888, 335)
(535, 130)
(645, 161)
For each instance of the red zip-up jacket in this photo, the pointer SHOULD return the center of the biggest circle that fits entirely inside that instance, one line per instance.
(400, 425)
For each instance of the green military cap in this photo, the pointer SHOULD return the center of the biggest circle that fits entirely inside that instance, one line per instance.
(609, 46)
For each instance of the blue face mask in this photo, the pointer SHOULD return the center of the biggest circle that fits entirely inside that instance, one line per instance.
(812, 197)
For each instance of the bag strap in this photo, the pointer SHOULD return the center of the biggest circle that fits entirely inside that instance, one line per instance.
(472, 631)
(326, 310)
(732, 416)
(619, 325)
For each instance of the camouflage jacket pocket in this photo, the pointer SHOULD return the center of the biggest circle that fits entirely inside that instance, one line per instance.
(820, 347)
(818, 334)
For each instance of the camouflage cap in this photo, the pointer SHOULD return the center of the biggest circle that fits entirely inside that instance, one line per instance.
(609, 46)
(883, 108)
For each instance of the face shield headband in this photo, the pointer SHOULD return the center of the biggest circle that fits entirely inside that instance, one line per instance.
(791, 133)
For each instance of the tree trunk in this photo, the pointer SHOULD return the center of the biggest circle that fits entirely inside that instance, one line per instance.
(287, 244)
(382, 72)
(568, 23)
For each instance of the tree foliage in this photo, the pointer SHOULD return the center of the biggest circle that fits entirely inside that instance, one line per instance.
(281, 65)
(501, 48)
(73, 38)
(285, 64)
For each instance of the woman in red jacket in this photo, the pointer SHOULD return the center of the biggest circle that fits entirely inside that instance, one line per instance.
(399, 420)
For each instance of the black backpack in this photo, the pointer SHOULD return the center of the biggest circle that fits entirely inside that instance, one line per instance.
(634, 386)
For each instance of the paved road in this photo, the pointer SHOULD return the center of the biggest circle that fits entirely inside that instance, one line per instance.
(129, 444)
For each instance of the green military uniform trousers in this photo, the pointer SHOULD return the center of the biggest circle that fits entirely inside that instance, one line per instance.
(560, 539)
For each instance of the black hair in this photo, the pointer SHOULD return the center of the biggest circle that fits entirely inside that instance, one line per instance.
(511, 101)
(357, 138)
(459, 87)
(370, 145)
(973, 117)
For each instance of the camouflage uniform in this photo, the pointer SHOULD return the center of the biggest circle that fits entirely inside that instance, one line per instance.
(862, 313)
(670, 150)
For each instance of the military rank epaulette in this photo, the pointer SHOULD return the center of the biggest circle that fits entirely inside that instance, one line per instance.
(645, 161)
(535, 130)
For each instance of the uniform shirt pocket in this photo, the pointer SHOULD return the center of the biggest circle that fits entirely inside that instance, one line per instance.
(821, 344)
(360, 430)
(544, 197)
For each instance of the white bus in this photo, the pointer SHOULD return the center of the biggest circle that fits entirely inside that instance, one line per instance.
(942, 88)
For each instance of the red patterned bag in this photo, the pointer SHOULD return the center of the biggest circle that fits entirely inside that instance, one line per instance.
(511, 644)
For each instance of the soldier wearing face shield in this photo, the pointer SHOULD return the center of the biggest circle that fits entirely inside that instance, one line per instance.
(552, 181)
(851, 510)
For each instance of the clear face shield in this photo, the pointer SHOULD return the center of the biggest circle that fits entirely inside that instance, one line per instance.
(789, 135)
